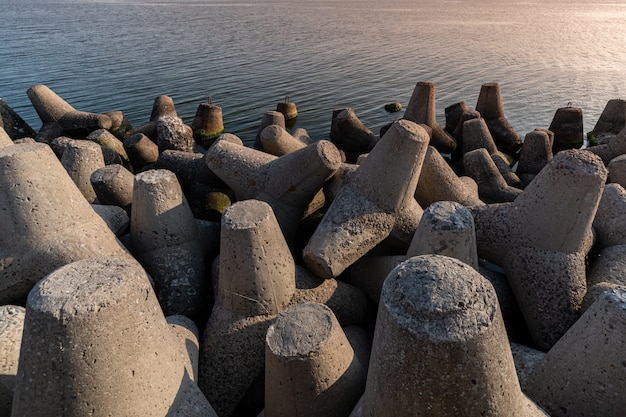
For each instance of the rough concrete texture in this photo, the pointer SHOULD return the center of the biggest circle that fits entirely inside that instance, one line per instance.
(173, 134)
(607, 271)
(439, 182)
(446, 228)
(164, 236)
(422, 109)
(350, 135)
(584, 374)
(492, 187)
(348, 303)
(476, 135)
(613, 148)
(186, 333)
(288, 183)
(609, 222)
(613, 117)
(526, 359)
(256, 282)
(115, 217)
(308, 355)
(48, 105)
(141, 150)
(535, 154)
(617, 170)
(11, 327)
(440, 347)
(96, 343)
(45, 221)
(5, 140)
(377, 203)
(80, 159)
(549, 286)
(269, 118)
(277, 141)
(490, 107)
(105, 138)
(113, 185)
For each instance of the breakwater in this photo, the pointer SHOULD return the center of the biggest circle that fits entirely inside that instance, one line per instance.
(167, 269)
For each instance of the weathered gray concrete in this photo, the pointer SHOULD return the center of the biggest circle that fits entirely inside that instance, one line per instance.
(545, 260)
(277, 141)
(164, 237)
(584, 373)
(613, 148)
(113, 185)
(115, 217)
(422, 110)
(310, 367)
(609, 222)
(80, 159)
(288, 183)
(173, 133)
(45, 222)
(15, 127)
(186, 334)
(269, 118)
(377, 204)
(208, 123)
(107, 139)
(535, 154)
(492, 187)
(439, 182)
(567, 125)
(607, 271)
(256, 282)
(96, 343)
(52, 109)
(490, 107)
(613, 117)
(440, 347)
(141, 151)
(617, 170)
(446, 228)
(5, 140)
(348, 303)
(11, 327)
(350, 135)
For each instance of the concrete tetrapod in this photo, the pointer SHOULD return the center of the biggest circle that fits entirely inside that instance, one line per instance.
(287, 183)
(613, 117)
(542, 239)
(310, 368)
(490, 107)
(11, 329)
(378, 203)
(584, 374)
(446, 228)
(81, 158)
(97, 343)
(45, 222)
(439, 182)
(440, 347)
(52, 109)
(5, 139)
(422, 109)
(256, 282)
(164, 236)
(350, 135)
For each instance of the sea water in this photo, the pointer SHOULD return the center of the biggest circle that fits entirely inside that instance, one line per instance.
(248, 55)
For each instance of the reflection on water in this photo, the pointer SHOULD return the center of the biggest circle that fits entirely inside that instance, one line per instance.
(249, 55)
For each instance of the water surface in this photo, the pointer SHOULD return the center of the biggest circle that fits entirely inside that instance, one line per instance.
(248, 55)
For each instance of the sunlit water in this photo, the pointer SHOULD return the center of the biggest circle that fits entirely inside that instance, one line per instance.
(249, 55)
